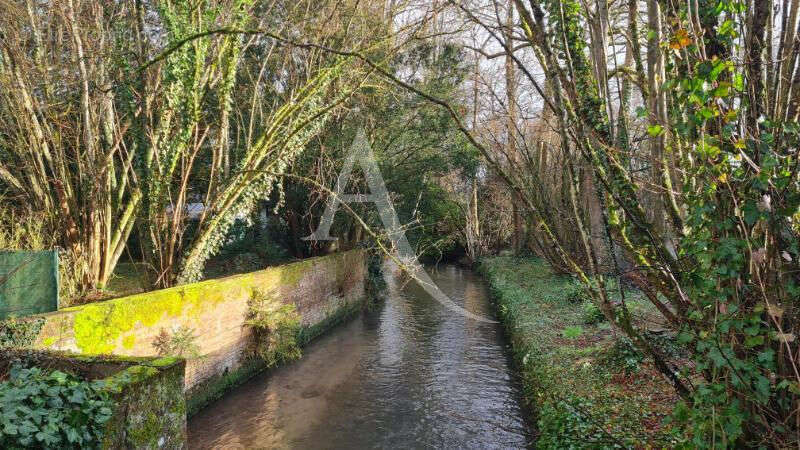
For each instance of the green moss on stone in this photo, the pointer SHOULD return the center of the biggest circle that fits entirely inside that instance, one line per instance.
(163, 362)
(97, 326)
(341, 314)
(102, 327)
(146, 431)
(156, 408)
(214, 387)
(291, 274)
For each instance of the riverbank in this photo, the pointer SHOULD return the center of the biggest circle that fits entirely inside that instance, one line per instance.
(406, 373)
(587, 387)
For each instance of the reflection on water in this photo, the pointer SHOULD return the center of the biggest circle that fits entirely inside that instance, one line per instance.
(412, 374)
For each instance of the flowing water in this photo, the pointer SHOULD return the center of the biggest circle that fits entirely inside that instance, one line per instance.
(412, 374)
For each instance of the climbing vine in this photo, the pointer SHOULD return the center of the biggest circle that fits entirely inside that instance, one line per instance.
(714, 234)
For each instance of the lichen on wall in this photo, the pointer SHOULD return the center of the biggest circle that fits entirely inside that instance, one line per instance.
(214, 309)
(97, 326)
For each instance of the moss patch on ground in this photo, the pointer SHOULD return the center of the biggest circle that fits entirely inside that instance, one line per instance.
(586, 387)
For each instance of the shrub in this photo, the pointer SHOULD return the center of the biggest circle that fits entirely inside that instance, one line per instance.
(592, 314)
(624, 355)
(51, 410)
(19, 333)
(276, 327)
(576, 293)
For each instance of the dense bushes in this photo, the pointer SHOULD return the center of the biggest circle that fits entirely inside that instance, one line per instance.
(40, 409)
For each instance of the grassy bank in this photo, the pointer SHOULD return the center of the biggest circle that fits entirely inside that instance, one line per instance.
(587, 385)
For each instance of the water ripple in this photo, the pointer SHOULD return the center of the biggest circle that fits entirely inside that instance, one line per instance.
(411, 375)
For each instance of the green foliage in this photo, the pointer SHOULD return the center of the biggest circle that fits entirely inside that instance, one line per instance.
(563, 424)
(572, 332)
(624, 355)
(19, 333)
(739, 248)
(577, 293)
(375, 281)
(416, 146)
(579, 399)
(721, 252)
(42, 409)
(592, 314)
(276, 328)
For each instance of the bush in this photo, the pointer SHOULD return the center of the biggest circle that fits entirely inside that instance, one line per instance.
(51, 410)
(624, 355)
(576, 293)
(564, 424)
(276, 326)
(592, 314)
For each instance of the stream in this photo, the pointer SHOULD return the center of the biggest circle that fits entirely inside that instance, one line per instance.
(410, 374)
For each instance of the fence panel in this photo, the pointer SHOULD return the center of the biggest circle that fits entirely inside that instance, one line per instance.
(28, 283)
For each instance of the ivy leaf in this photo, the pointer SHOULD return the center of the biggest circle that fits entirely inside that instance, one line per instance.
(738, 82)
(722, 90)
(766, 356)
(655, 130)
(753, 341)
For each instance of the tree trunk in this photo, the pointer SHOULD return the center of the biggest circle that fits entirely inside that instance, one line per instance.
(511, 125)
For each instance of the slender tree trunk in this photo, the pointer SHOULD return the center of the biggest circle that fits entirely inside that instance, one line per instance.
(755, 47)
(511, 118)
(656, 109)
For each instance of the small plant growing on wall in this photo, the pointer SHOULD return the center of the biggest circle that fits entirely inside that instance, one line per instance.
(181, 342)
(275, 328)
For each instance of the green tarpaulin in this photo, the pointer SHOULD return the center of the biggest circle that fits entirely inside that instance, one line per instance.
(28, 283)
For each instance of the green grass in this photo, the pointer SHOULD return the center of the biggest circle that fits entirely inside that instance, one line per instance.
(129, 278)
(583, 397)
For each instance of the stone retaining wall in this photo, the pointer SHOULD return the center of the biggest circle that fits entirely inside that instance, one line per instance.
(213, 310)
(147, 401)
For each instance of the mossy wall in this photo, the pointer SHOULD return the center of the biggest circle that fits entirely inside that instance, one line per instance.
(149, 405)
(214, 310)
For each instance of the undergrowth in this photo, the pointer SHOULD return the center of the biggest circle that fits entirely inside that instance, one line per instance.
(587, 388)
(41, 409)
(276, 327)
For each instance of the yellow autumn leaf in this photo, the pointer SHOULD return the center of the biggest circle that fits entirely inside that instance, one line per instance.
(680, 40)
